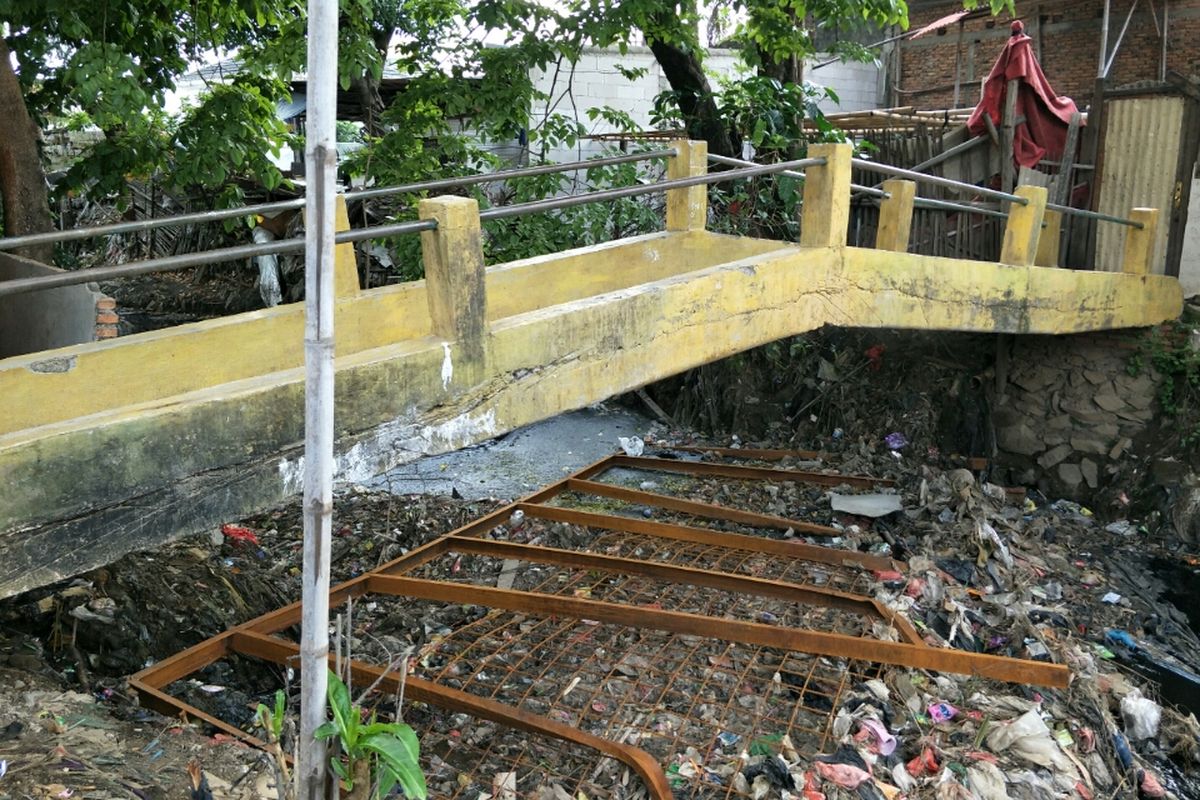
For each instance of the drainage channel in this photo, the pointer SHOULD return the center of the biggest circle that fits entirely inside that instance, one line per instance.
(592, 648)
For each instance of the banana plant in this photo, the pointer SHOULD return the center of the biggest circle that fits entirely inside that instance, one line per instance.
(382, 755)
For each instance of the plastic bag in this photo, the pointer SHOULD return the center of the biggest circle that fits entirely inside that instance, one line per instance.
(1142, 716)
(268, 270)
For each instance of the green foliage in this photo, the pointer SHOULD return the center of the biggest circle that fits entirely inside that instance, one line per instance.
(1171, 352)
(391, 748)
(271, 719)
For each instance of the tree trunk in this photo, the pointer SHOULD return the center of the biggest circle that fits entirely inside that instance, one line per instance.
(22, 180)
(687, 79)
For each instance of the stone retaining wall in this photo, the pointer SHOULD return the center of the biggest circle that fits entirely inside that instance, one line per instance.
(1070, 410)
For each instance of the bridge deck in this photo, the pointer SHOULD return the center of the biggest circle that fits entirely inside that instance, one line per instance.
(113, 446)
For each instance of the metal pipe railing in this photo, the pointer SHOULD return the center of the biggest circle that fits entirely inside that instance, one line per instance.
(741, 162)
(570, 201)
(1096, 215)
(218, 215)
(523, 172)
(958, 186)
(871, 191)
(187, 260)
(172, 263)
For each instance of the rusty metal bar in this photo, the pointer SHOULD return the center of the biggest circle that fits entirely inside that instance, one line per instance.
(806, 641)
(762, 454)
(741, 472)
(699, 509)
(290, 615)
(780, 590)
(647, 768)
(786, 548)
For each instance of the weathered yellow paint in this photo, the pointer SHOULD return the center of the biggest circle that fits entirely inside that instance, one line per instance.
(43, 388)
(895, 216)
(1139, 242)
(1024, 227)
(1049, 240)
(454, 274)
(827, 196)
(345, 265)
(687, 209)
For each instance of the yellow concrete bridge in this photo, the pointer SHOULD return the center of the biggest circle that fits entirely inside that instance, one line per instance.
(116, 445)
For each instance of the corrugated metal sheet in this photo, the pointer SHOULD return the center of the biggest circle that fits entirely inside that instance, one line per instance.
(1141, 153)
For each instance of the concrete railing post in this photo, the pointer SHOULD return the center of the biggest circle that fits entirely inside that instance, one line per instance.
(345, 266)
(895, 216)
(1048, 242)
(1139, 242)
(826, 211)
(687, 209)
(1024, 227)
(454, 275)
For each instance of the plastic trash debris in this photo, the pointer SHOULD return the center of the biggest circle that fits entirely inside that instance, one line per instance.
(847, 776)
(882, 742)
(866, 505)
(924, 764)
(1141, 714)
(1150, 785)
(268, 270)
(942, 712)
(238, 534)
(986, 781)
(1028, 737)
(504, 786)
(1112, 598)
(896, 441)
(1124, 754)
(632, 445)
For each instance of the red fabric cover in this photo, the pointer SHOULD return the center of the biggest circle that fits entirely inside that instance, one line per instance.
(1044, 133)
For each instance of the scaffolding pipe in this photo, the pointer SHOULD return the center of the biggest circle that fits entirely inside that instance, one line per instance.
(320, 155)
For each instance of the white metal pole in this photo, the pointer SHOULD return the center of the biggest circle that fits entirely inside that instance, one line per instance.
(320, 153)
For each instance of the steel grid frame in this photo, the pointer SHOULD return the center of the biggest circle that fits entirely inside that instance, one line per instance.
(258, 638)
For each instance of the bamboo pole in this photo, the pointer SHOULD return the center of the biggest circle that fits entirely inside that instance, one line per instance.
(320, 154)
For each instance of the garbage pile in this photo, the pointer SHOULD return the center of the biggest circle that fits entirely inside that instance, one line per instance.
(1009, 573)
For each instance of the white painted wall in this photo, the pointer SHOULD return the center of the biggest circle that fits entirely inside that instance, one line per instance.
(595, 81)
(858, 86)
(1189, 260)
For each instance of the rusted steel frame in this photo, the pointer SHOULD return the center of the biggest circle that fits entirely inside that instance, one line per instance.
(764, 454)
(173, 707)
(594, 469)
(805, 641)
(642, 763)
(741, 472)
(290, 615)
(184, 663)
(698, 508)
(691, 576)
(733, 541)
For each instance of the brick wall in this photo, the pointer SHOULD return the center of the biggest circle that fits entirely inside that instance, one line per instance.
(106, 318)
(1070, 48)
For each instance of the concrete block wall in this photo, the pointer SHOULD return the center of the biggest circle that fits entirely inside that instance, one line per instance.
(53, 318)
